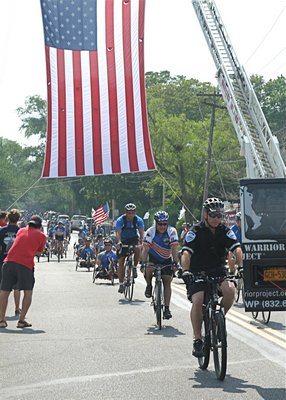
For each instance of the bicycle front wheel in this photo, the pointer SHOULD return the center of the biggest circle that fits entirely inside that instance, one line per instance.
(204, 361)
(158, 303)
(219, 345)
(129, 282)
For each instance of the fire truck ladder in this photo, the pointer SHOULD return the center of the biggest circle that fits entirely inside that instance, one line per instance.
(259, 146)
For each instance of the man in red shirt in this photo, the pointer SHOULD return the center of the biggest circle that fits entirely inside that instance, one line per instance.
(18, 268)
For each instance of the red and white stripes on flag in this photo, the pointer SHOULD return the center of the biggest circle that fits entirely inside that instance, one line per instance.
(101, 214)
(97, 116)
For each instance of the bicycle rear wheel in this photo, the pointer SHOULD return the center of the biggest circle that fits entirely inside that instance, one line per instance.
(219, 345)
(266, 316)
(158, 303)
(238, 289)
(204, 361)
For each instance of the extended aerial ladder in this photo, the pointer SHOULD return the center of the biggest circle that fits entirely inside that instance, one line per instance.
(259, 146)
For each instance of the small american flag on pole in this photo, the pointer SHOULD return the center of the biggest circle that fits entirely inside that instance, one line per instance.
(97, 116)
(101, 214)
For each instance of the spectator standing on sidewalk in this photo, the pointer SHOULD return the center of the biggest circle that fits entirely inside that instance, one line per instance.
(18, 268)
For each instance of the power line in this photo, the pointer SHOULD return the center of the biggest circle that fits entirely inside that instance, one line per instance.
(266, 35)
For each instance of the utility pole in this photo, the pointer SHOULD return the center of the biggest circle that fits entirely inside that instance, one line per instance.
(214, 105)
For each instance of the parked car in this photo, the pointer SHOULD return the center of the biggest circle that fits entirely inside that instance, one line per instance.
(77, 221)
(63, 218)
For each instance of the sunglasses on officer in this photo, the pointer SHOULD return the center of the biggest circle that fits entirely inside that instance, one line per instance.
(215, 215)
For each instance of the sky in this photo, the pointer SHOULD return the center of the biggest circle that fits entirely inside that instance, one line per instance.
(174, 41)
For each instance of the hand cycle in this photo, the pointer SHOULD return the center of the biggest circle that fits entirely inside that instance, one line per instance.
(213, 327)
(129, 271)
(158, 292)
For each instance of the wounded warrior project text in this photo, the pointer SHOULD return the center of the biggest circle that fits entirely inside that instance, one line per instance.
(275, 293)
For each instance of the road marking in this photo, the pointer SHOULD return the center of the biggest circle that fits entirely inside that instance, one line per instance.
(13, 391)
(258, 324)
(240, 319)
(253, 329)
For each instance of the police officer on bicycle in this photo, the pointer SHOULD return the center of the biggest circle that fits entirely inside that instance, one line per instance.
(204, 249)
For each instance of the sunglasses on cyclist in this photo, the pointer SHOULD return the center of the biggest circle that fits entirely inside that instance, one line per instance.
(215, 215)
(162, 223)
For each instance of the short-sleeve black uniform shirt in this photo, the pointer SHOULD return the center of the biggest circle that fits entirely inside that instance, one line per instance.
(209, 249)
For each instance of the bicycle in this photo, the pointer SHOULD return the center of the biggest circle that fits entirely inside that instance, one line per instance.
(129, 279)
(213, 327)
(239, 289)
(265, 316)
(58, 251)
(158, 292)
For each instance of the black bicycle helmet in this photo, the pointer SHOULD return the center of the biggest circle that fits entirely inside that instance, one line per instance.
(161, 216)
(213, 204)
(130, 207)
(238, 216)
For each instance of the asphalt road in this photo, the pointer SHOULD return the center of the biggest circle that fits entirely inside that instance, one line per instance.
(88, 342)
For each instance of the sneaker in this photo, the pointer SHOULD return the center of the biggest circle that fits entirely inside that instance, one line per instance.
(121, 288)
(167, 313)
(135, 275)
(148, 291)
(198, 348)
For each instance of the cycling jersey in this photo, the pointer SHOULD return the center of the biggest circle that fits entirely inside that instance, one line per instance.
(51, 233)
(103, 257)
(85, 251)
(237, 232)
(160, 244)
(129, 228)
(209, 250)
(60, 232)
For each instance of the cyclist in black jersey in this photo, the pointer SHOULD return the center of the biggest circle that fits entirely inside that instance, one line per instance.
(204, 249)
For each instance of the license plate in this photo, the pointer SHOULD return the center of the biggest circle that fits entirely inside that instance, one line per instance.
(274, 274)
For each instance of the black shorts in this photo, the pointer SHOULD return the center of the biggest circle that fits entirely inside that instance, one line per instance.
(17, 276)
(195, 287)
(164, 271)
(123, 251)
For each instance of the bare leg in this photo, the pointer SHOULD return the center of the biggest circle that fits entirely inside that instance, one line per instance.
(17, 299)
(228, 291)
(27, 300)
(196, 313)
(167, 279)
(120, 269)
(4, 295)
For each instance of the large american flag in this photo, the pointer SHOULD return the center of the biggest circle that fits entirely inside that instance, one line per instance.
(101, 214)
(97, 116)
